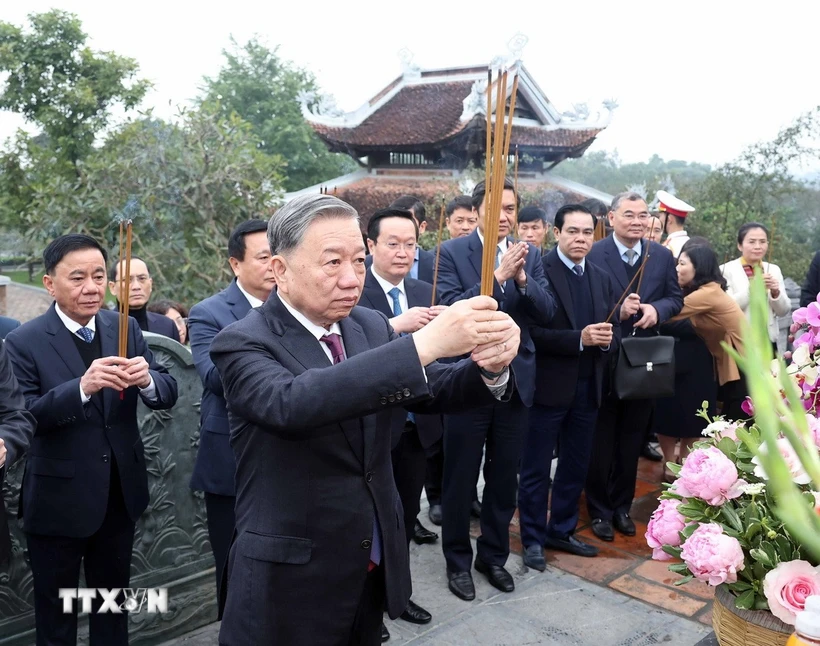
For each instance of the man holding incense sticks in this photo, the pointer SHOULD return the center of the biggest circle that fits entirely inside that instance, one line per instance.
(521, 290)
(85, 483)
(622, 424)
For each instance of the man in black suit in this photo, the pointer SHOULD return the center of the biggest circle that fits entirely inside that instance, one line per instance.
(311, 383)
(16, 430)
(521, 290)
(392, 238)
(7, 325)
(215, 467)
(85, 483)
(571, 357)
(622, 425)
(139, 293)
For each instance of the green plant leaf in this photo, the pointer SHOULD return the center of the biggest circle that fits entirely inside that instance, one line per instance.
(746, 600)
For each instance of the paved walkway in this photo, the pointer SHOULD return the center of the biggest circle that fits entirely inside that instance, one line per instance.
(619, 598)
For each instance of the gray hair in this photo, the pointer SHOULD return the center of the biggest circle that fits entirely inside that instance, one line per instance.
(626, 196)
(287, 227)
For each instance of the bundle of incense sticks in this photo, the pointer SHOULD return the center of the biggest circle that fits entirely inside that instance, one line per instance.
(438, 251)
(125, 285)
(499, 132)
(515, 190)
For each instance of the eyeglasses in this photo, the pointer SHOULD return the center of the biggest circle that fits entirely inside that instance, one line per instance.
(395, 246)
(643, 217)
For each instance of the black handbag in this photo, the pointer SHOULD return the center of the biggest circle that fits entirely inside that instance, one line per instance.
(645, 368)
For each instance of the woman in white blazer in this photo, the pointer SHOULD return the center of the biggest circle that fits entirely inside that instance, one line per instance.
(753, 244)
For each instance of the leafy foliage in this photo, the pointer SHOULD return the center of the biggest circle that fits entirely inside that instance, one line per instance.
(263, 89)
(59, 84)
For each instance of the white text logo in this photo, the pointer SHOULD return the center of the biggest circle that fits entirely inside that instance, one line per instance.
(154, 600)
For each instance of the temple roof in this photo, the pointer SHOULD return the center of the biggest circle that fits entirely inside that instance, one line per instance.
(425, 110)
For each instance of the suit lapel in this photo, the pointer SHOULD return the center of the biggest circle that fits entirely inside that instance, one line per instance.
(375, 295)
(414, 296)
(613, 259)
(237, 302)
(476, 253)
(65, 348)
(558, 278)
(599, 303)
(109, 340)
(355, 342)
(305, 349)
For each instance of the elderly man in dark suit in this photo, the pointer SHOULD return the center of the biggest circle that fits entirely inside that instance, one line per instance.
(16, 430)
(7, 325)
(521, 290)
(622, 425)
(139, 293)
(572, 354)
(392, 237)
(215, 467)
(85, 483)
(311, 381)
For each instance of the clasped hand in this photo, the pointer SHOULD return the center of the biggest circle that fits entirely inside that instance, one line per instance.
(512, 263)
(415, 318)
(115, 372)
(473, 326)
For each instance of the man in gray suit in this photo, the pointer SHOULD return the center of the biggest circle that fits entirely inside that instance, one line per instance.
(311, 380)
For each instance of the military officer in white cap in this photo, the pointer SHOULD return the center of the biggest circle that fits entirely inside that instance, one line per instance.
(675, 211)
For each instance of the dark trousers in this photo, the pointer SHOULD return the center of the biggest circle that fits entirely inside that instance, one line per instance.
(106, 557)
(367, 623)
(435, 473)
(408, 473)
(502, 426)
(620, 433)
(574, 426)
(221, 523)
(733, 394)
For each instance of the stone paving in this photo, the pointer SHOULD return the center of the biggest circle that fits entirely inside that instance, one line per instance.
(619, 598)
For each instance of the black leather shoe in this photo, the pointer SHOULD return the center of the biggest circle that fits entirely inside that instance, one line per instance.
(572, 545)
(475, 509)
(603, 529)
(496, 575)
(651, 453)
(385, 633)
(461, 584)
(534, 558)
(623, 523)
(423, 535)
(434, 514)
(415, 614)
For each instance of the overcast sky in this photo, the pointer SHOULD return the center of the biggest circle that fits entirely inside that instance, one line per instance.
(694, 80)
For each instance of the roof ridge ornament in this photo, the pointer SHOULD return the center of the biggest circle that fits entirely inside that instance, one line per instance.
(409, 70)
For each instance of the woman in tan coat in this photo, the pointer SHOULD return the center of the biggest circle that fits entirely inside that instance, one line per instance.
(716, 317)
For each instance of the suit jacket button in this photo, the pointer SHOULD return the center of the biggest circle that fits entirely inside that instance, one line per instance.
(383, 400)
(399, 397)
(366, 543)
(391, 398)
(105, 458)
(406, 392)
(368, 476)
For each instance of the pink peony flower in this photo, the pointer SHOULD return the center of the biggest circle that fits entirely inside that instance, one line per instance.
(799, 475)
(748, 407)
(711, 556)
(788, 586)
(709, 475)
(664, 528)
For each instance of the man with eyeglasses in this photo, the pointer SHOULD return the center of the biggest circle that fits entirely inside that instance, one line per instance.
(139, 292)
(622, 425)
(392, 238)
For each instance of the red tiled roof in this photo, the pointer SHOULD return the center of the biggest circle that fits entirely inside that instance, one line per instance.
(427, 114)
(418, 114)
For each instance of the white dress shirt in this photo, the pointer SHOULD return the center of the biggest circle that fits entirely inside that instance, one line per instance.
(255, 302)
(149, 392)
(622, 249)
(387, 286)
(316, 330)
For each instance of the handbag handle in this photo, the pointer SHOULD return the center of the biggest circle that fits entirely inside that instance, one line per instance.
(638, 274)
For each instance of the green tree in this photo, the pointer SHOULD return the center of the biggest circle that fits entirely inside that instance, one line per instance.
(262, 88)
(184, 186)
(58, 83)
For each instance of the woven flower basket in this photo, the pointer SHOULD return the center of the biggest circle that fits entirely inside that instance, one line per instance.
(735, 627)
